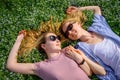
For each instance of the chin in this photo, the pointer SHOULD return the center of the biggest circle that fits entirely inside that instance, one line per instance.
(74, 39)
(58, 48)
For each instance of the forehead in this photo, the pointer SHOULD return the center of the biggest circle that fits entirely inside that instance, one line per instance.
(64, 28)
(49, 34)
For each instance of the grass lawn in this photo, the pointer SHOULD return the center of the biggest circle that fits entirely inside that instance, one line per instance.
(16, 15)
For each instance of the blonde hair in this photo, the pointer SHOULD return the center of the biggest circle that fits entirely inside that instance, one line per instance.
(41, 40)
(76, 16)
(34, 38)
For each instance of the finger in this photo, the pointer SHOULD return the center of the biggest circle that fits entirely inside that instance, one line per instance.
(68, 55)
(78, 51)
(66, 49)
(71, 47)
(22, 32)
(69, 10)
(69, 52)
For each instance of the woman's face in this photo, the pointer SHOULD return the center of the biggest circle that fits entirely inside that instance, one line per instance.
(72, 30)
(52, 43)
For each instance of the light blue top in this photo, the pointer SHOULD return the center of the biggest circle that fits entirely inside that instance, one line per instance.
(106, 53)
(109, 52)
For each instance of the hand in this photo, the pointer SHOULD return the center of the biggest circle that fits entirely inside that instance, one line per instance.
(76, 50)
(71, 53)
(22, 32)
(80, 52)
(71, 9)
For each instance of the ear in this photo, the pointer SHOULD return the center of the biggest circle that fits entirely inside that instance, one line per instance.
(43, 46)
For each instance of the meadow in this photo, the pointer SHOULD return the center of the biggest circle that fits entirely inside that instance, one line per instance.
(16, 15)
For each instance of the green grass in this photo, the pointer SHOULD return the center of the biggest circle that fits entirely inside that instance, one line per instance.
(16, 15)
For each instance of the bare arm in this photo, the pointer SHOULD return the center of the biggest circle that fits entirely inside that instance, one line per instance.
(13, 65)
(78, 58)
(84, 66)
(96, 68)
(95, 9)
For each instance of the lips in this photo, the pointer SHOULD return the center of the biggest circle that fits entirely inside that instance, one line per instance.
(74, 34)
(57, 44)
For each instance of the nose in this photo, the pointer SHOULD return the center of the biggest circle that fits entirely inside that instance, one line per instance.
(69, 32)
(57, 41)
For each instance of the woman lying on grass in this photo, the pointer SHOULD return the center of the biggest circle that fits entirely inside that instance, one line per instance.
(98, 42)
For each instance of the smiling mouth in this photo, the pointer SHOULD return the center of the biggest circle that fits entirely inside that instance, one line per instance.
(75, 34)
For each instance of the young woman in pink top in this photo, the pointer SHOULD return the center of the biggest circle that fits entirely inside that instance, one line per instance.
(57, 66)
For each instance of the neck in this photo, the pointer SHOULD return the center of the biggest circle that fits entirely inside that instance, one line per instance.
(86, 37)
(52, 54)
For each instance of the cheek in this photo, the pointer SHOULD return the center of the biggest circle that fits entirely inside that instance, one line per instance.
(76, 27)
(49, 44)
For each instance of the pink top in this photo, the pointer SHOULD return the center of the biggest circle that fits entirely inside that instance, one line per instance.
(60, 68)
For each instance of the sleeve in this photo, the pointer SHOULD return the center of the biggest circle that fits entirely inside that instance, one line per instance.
(41, 69)
(99, 25)
(37, 68)
(100, 21)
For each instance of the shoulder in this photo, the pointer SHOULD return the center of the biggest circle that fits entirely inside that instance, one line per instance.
(38, 64)
(98, 17)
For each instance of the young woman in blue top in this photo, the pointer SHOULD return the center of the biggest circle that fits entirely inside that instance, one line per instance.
(98, 42)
